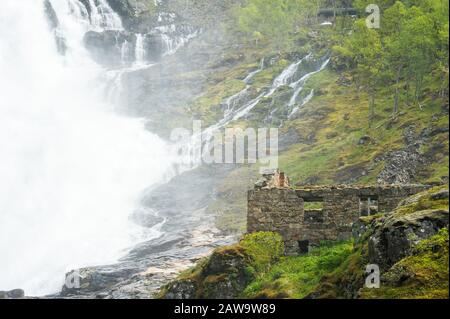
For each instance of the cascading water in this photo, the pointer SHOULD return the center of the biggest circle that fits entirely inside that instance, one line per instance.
(73, 171)
(103, 17)
(299, 85)
(190, 151)
(140, 51)
(251, 75)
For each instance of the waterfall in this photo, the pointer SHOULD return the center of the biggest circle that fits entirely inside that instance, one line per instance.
(282, 79)
(299, 85)
(234, 100)
(72, 170)
(251, 75)
(140, 51)
(304, 101)
(192, 149)
(173, 42)
(103, 17)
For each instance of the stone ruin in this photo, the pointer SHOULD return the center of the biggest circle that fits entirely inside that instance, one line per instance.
(306, 216)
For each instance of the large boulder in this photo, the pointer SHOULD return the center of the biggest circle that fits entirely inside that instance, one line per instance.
(417, 218)
(223, 276)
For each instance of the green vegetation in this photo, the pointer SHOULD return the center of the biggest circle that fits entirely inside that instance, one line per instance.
(411, 44)
(227, 272)
(423, 275)
(357, 98)
(423, 201)
(264, 248)
(296, 277)
(331, 125)
(344, 281)
(273, 21)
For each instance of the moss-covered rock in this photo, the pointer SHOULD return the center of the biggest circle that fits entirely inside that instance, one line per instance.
(423, 275)
(228, 271)
(419, 218)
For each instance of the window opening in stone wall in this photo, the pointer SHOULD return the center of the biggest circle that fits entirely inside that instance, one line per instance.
(368, 205)
(313, 204)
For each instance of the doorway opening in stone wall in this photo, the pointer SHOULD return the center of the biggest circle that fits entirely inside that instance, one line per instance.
(368, 205)
(303, 246)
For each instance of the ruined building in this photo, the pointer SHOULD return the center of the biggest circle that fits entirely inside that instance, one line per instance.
(306, 216)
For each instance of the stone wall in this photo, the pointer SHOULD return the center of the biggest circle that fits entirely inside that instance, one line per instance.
(274, 206)
(278, 210)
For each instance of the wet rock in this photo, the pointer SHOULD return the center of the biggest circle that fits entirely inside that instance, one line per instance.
(52, 18)
(185, 289)
(90, 280)
(111, 47)
(53, 23)
(401, 166)
(12, 294)
(443, 194)
(398, 235)
(365, 140)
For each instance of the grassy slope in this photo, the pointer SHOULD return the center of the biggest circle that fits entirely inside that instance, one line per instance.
(338, 118)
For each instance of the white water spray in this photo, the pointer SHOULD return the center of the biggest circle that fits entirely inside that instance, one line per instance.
(72, 171)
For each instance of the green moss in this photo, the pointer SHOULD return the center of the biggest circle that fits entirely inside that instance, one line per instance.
(370, 219)
(265, 248)
(423, 201)
(345, 280)
(421, 276)
(296, 277)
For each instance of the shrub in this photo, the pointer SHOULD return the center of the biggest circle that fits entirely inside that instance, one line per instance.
(265, 248)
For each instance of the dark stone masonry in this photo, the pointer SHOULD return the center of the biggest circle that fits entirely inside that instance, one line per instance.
(306, 216)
